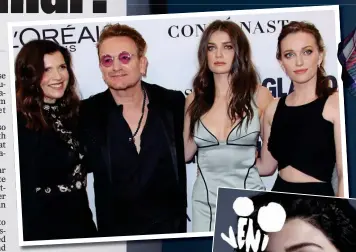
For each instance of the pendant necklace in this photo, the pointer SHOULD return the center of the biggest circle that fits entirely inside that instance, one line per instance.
(132, 139)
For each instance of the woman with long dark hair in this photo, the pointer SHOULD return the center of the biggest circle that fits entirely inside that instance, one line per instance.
(222, 122)
(53, 178)
(302, 130)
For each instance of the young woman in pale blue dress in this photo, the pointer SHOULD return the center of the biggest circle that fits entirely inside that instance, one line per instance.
(222, 120)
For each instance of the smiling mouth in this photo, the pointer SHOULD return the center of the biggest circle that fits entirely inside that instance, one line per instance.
(57, 85)
(301, 71)
(118, 75)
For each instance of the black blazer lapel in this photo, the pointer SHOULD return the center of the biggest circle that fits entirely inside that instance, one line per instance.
(96, 125)
(169, 132)
(157, 101)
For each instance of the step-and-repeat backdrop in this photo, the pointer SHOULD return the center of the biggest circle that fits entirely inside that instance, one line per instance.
(172, 51)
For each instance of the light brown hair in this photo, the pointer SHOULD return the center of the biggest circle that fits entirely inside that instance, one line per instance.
(322, 83)
(120, 30)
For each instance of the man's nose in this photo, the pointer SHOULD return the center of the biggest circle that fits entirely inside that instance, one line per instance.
(116, 64)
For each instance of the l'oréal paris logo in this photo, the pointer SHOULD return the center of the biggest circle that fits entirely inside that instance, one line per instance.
(50, 6)
(66, 36)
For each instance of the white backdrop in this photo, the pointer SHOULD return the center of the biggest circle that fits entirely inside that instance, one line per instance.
(172, 51)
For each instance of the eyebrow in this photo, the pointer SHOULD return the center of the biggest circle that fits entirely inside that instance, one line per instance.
(51, 66)
(302, 245)
(290, 50)
(228, 42)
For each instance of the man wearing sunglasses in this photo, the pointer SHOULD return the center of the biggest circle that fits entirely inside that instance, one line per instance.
(133, 136)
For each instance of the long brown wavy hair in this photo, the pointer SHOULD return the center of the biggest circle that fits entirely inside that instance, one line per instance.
(29, 70)
(244, 77)
(323, 88)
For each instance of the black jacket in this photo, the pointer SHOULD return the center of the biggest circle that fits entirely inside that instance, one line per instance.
(93, 124)
(46, 161)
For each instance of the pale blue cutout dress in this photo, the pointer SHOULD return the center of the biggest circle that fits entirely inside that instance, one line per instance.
(229, 163)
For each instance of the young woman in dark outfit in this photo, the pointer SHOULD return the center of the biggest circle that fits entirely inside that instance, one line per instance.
(302, 130)
(53, 178)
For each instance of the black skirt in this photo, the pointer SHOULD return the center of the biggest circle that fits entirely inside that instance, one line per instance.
(313, 188)
(52, 217)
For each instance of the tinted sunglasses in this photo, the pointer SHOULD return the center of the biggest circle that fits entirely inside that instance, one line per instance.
(108, 60)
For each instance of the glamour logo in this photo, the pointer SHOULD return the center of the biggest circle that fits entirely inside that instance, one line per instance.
(59, 6)
(275, 85)
(251, 27)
